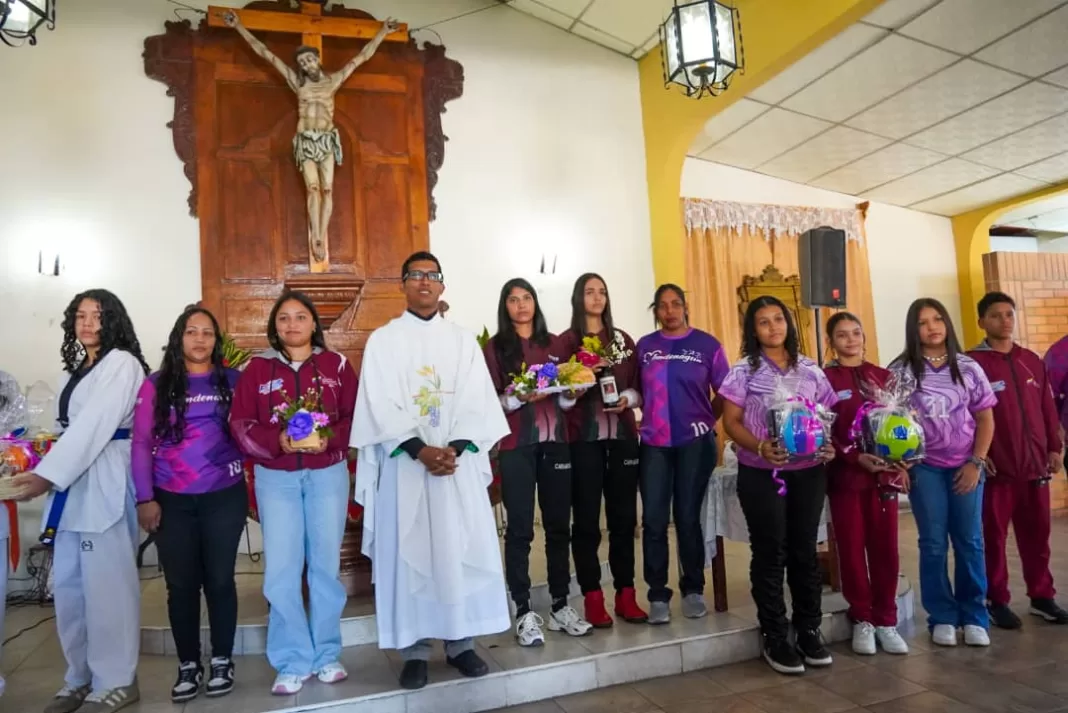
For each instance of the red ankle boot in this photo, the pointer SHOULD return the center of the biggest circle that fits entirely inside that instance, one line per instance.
(596, 613)
(627, 606)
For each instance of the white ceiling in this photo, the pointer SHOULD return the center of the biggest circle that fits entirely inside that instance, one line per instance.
(1048, 215)
(629, 27)
(939, 105)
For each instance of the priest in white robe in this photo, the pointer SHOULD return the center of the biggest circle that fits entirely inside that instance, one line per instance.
(426, 417)
(90, 513)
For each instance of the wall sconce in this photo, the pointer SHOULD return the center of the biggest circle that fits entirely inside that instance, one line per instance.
(548, 264)
(48, 263)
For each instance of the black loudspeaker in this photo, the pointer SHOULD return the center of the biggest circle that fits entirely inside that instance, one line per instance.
(822, 257)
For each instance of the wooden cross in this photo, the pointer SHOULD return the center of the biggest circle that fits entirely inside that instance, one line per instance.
(309, 23)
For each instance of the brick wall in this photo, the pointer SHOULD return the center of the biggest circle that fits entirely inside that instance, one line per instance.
(1039, 284)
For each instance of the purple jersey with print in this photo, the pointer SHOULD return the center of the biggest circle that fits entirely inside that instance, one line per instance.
(677, 376)
(945, 409)
(756, 391)
(1057, 365)
(205, 460)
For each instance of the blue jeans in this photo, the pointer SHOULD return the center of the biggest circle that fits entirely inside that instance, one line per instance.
(303, 515)
(940, 514)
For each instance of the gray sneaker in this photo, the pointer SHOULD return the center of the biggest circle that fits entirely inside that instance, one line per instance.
(111, 700)
(67, 700)
(693, 606)
(659, 612)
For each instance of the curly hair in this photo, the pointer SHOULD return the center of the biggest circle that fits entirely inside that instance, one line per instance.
(172, 384)
(751, 347)
(116, 330)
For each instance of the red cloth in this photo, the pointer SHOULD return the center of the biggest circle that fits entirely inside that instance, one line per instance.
(1026, 423)
(865, 530)
(259, 390)
(845, 473)
(1026, 504)
(14, 548)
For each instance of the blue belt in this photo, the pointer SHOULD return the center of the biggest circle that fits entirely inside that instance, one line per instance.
(59, 500)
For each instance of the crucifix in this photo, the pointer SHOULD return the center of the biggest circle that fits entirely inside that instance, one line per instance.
(317, 144)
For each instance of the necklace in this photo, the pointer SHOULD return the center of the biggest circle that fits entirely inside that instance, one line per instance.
(937, 359)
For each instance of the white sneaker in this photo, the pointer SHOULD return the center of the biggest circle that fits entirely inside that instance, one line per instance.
(568, 621)
(944, 635)
(528, 630)
(976, 635)
(332, 673)
(288, 684)
(890, 640)
(864, 639)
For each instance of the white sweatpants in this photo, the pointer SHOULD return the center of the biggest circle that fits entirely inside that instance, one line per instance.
(98, 604)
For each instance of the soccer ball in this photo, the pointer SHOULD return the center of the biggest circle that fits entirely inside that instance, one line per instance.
(897, 437)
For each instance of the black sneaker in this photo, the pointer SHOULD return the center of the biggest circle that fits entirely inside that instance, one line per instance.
(413, 675)
(1048, 610)
(222, 677)
(782, 658)
(469, 664)
(1002, 617)
(187, 687)
(812, 648)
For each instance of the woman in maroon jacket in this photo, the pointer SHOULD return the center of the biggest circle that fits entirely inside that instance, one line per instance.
(604, 458)
(535, 455)
(863, 503)
(302, 494)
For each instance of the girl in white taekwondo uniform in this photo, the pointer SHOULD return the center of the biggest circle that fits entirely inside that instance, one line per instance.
(91, 513)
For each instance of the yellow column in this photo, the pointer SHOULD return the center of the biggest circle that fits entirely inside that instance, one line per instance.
(775, 34)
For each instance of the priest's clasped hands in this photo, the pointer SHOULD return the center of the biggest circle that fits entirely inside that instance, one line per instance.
(438, 461)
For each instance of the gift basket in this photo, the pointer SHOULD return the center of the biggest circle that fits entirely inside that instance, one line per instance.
(886, 426)
(796, 423)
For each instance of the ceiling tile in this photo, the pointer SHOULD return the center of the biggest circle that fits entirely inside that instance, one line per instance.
(1060, 77)
(765, 137)
(965, 26)
(1052, 170)
(873, 75)
(1029, 104)
(1035, 49)
(931, 181)
(631, 21)
(880, 167)
(543, 13)
(1030, 211)
(1041, 218)
(726, 122)
(1024, 147)
(951, 91)
(817, 63)
(824, 153)
(595, 35)
(892, 14)
(571, 8)
(993, 190)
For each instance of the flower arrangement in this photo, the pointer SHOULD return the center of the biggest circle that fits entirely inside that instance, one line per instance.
(234, 357)
(305, 422)
(550, 378)
(593, 351)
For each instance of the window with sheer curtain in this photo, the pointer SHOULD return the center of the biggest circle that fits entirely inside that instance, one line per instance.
(726, 242)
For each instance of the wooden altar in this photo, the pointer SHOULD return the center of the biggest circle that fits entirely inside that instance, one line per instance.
(234, 120)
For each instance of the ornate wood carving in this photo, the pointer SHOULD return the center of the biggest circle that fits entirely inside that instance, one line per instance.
(168, 59)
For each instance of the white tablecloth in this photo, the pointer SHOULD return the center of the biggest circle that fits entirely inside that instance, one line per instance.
(721, 513)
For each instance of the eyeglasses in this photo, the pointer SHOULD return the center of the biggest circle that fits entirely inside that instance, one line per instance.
(419, 275)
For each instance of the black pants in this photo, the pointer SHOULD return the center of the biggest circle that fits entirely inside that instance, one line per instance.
(782, 534)
(545, 467)
(611, 468)
(675, 476)
(197, 543)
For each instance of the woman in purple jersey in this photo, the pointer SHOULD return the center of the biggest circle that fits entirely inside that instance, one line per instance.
(191, 493)
(954, 401)
(679, 368)
(783, 526)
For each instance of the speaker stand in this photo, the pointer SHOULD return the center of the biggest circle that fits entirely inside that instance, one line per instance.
(819, 338)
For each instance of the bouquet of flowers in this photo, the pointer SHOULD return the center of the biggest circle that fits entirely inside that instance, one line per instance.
(305, 421)
(800, 426)
(549, 378)
(885, 426)
(593, 351)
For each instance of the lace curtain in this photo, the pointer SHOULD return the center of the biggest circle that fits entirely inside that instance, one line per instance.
(769, 219)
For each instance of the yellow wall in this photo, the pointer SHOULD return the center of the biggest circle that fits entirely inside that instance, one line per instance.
(971, 235)
(775, 34)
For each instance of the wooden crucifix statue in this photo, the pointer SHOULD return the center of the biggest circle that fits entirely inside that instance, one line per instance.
(317, 143)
